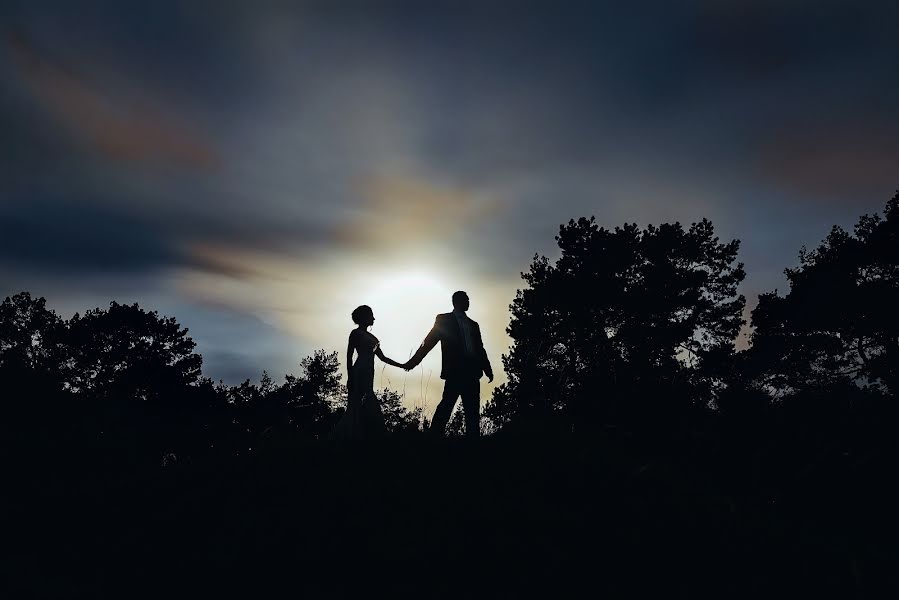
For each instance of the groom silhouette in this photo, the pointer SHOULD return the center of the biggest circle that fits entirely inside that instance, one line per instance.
(464, 360)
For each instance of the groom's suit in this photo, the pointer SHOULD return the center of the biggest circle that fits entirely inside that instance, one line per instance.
(464, 361)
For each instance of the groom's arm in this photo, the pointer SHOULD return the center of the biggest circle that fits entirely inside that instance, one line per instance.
(485, 362)
(488, 370)
(426, 346)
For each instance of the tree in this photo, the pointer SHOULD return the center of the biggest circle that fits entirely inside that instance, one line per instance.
(397, 418)
(640, 313)
(305, 404)
(30, 334)
(838, 325)
(312, 397)
(456, 426)
(128, 351)
(32, 353)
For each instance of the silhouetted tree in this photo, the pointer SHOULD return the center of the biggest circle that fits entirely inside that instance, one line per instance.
(312, 397)
(303, 405)
(30, 334)
(839, 324)
(137, 381)
(249, 415)
(627, 314)
(456, 426)
(33, 405)
(127, 350)
(118, 377)
(397, 418)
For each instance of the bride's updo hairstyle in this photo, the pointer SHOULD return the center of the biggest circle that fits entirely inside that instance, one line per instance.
(360, 313)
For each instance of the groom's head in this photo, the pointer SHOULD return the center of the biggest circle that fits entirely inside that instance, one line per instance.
(460, 301)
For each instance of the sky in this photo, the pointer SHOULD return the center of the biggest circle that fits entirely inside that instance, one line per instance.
(259, 169)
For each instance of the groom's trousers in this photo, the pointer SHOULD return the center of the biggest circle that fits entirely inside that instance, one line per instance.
(470, 390)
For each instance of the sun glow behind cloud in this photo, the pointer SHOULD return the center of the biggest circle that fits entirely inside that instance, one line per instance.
(311, 300)
(405, 299)
(405, 302)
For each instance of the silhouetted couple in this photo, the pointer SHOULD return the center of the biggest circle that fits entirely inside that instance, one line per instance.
(464, 362)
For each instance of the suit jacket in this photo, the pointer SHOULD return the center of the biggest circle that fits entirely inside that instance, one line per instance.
(456, 362)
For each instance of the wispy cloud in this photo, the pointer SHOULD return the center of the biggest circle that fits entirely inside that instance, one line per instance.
(401, 212)
(837, 160)
(116, 126)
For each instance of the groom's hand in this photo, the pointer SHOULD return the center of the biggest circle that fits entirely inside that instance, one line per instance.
(489, 377)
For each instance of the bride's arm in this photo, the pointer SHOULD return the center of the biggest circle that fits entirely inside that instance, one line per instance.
(350, 348)
(380, 354)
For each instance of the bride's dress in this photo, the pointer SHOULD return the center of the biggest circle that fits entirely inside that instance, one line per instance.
(363, 417)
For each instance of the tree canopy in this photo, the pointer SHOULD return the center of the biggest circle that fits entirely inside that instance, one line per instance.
(621, 310)
(838, 324)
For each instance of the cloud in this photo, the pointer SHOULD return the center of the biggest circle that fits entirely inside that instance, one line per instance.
(403, 212)
(838, 160)
(75, 236)
(118, 127)
(70, 237)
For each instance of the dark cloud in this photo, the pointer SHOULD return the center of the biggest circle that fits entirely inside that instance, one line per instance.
(72, 236)
(837, 161)
(126, 132)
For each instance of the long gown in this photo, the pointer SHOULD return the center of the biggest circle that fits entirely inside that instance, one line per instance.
(363, 417)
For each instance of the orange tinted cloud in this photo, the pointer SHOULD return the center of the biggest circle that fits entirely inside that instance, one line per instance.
(116, 127)
(403, 210)
(834, 162)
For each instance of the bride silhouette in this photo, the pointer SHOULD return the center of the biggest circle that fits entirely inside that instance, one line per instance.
(363, 417)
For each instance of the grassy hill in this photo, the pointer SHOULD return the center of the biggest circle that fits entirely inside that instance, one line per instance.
(505, 516)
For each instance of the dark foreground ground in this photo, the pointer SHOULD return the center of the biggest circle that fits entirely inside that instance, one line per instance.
(504, 517)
